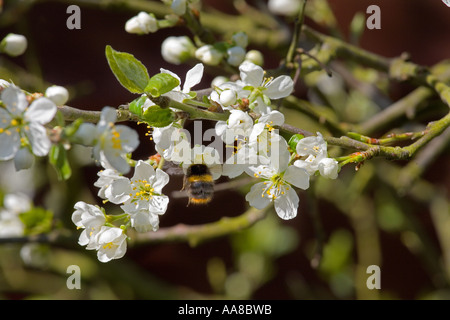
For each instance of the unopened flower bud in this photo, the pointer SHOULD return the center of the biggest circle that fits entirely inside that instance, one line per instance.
(235, 55)
(217, 81)
(228, 97)
(208, 55)
(255, 57)
(143, 23)
(59, 95)
(179, 7)
(240, 39)
(328, 168)
(177, 49)
(14, 44)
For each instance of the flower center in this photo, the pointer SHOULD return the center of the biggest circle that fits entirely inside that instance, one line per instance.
(115, 139)
(143, 190)
(275, 187)
(109, 245)
(15, 124)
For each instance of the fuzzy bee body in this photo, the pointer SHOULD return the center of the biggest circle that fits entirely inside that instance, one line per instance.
(199, 184)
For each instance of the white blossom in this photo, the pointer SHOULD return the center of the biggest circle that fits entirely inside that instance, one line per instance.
(314, 149)
(193, 77)
(91, 219)
(110, 243)
(141, 196)
(241, 158)
(13, 205)
(253, 75)
(277, 187)
(172, 142)
(106, 177)
(239, 123)
(22, 125)
(111, 142)
(266, 141)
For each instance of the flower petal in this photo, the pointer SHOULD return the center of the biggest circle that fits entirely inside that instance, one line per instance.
(256, 198)
(280, 87)
(296, 176)
(119, 191)
(129, 138)
(158, 204)
(14, 99)
(37, 135)
(251, 74)
(161, 180)
(108, 115)
(143, 171)
(193, 77)
(112, 158)
(41, 110)
(9, 144)
(286, 206)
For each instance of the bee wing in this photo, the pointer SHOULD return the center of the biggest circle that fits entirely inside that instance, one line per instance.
(173, 169)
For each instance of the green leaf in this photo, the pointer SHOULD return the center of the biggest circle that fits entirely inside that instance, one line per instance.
(135, 106)
(153, 115)
(293, 141)
(161, 83)
(129, 71)
(58, 158)
(37, 221)
(158, 117)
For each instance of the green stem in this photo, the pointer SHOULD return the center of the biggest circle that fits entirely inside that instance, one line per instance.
(194, 112)
(296, 36)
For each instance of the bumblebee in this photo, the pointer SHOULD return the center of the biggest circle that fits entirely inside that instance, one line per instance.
(199, 184)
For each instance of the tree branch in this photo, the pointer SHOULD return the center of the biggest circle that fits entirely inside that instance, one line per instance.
(196, 234)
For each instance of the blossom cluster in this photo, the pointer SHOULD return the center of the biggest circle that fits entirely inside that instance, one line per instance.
(251, 132)
(258, 148)
(250, 136)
